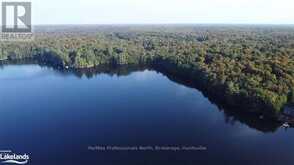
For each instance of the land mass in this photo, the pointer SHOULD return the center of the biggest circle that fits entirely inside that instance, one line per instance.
(251, 67)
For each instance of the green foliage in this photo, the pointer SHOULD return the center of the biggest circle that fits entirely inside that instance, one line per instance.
(245, 61)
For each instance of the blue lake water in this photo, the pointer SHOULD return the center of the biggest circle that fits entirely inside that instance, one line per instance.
(57, 118)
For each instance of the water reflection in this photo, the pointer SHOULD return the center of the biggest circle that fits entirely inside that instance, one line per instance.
(231, 114)
(55, 117)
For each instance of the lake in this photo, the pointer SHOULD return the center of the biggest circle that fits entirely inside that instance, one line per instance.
(122, 117)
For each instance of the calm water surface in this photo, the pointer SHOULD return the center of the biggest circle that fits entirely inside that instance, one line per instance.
(54, 117)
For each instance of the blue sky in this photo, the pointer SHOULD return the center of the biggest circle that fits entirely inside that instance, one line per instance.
(162, 11)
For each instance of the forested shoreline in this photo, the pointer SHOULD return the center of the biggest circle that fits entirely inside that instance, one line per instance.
(250, 66)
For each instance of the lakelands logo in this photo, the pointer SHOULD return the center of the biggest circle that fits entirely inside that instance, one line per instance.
(8, 157)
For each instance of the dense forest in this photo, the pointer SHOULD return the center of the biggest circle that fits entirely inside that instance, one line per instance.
(248, 66)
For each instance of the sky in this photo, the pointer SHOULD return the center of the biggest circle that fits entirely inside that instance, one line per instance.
(162, 11)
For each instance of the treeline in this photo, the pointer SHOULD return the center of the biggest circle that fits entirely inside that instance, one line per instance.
(252, 64)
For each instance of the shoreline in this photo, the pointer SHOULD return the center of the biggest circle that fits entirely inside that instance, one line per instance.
(215, 92)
